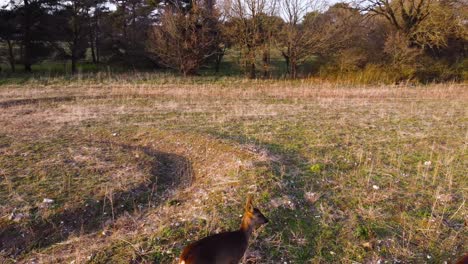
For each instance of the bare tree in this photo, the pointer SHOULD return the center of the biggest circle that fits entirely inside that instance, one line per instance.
(184, 40)
(247, 17)
(436, 27)
(270, 28)
(365, 40)
(9, 34)
(33, 32)
(226, 39)
(309, 32)
(76, 14)
(131, 22)
(295, 40)
(441, 25)
(404, 15)
(98, 8)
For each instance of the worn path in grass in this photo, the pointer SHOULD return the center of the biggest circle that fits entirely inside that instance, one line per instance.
(136, 171)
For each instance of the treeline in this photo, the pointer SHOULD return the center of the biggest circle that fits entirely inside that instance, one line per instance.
(424, 40)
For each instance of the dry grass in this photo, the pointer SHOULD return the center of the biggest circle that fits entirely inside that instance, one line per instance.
(137, 170)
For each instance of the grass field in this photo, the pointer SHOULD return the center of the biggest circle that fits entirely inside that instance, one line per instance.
(131, 170)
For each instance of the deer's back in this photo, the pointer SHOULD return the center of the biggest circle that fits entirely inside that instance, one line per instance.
(223, 248)
(463, 260)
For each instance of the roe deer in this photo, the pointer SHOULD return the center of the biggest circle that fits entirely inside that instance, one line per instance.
(227, 247)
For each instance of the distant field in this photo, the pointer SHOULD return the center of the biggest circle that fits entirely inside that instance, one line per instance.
(132, 170)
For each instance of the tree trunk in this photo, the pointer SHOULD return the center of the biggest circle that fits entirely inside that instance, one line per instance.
(184, 72)
(219, 59)
(73, 64)
(74, 55)
(98, 57)
(98, 51)
(286, 60)
(252, 71)
(76, 33)
(96, 37)
(124, 26)
(11, 56)
(92, 45)
(293, 69)
(266, 63)
(27, 38)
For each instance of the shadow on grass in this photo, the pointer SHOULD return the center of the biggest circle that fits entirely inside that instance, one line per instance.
(59, 99)
(71, 98)
(19, 102)
(286, 221)
(169, 171)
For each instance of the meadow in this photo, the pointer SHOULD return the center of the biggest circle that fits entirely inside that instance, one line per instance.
(130, 169)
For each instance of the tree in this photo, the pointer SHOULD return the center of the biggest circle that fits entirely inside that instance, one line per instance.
(98, 9)
(247, 17)
(294, 39)
(9, 34)
(366, 39)
(350, 39)
(404, 15)
(269, 30)
(309, 32)
(441, 25)
(225, 37)
(73, 20)
(130, 23)
(423, 31)
(184, 40)
(34, 31)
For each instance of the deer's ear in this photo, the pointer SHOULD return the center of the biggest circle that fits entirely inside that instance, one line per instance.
(248, 204)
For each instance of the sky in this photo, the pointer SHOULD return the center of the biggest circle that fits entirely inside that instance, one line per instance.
(3, 2)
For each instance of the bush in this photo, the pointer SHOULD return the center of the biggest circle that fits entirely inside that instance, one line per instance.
(370, 74)
(431, 70)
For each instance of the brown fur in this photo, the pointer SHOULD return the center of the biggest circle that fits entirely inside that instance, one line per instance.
(463, 260)
(227, 247)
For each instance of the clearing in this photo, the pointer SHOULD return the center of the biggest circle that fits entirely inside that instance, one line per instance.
(130, 171)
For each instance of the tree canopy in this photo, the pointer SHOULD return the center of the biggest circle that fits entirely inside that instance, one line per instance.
(187, 35)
